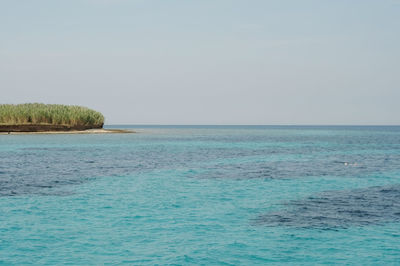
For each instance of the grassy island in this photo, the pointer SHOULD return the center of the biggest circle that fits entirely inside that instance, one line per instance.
(34, 117)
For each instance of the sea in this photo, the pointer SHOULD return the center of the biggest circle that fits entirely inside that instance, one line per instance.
(202, 195)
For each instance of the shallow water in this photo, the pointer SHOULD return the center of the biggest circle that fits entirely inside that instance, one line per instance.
(202, 195)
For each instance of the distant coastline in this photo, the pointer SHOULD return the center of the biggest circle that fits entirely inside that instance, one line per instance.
(52, 119)
(43, 127)
(71, 131)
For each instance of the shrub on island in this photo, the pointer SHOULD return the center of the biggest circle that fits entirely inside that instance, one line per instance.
(48, 117)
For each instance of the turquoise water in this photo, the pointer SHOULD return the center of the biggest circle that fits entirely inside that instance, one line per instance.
(202, 195)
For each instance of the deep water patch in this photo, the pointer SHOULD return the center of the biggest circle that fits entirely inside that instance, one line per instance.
(35, 164)
(339, 209)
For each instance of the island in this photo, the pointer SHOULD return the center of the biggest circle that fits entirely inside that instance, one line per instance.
(51, 118)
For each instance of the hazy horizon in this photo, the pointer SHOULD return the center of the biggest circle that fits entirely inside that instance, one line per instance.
(249, 125)
(206, 63)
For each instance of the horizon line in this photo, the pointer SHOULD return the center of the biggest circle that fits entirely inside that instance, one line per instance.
(308, 125)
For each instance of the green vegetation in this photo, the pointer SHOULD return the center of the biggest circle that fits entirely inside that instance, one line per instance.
(49, 114)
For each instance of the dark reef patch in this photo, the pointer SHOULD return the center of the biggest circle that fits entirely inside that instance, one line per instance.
(339, 209)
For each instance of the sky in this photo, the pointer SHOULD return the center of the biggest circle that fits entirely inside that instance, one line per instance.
(312, 62)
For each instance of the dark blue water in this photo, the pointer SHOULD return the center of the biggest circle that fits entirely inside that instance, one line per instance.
(202, 195)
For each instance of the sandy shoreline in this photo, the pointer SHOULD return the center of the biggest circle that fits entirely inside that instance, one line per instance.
(88, 131)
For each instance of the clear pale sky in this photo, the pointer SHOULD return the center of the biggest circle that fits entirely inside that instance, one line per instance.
(206, 61)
